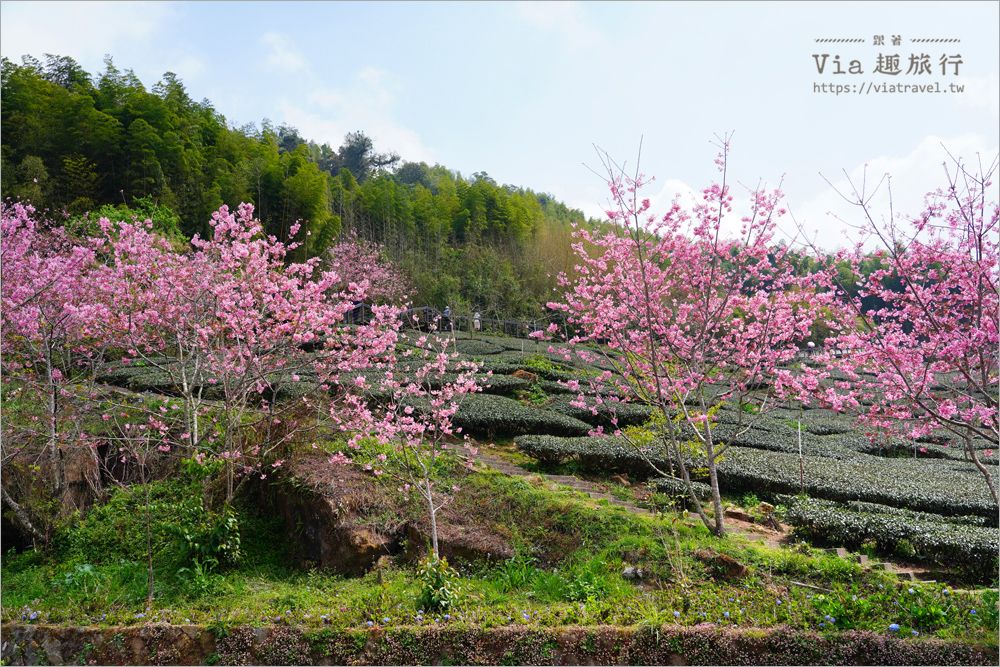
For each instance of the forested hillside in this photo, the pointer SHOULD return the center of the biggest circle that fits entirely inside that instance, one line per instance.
(105, 145)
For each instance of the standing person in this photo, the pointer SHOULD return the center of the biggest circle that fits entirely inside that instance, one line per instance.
(477, 324)
(447, 318)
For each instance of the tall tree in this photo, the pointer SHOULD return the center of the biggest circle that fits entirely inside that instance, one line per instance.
(690, 318)
(917, 334)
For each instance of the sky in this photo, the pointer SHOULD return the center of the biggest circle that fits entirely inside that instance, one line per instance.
(528, 92)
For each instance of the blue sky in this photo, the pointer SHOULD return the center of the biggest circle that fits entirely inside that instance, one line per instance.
(523, 91)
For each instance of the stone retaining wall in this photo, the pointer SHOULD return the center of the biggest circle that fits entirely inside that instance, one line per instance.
(277, 645)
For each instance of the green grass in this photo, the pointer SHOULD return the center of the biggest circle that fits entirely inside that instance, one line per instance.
(566, 570)
(564, 566)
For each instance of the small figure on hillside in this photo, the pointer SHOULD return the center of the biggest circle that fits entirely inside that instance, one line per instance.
(447, 318)
(477, 324)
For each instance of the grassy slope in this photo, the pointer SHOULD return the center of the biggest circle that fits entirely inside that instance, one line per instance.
(566, 570)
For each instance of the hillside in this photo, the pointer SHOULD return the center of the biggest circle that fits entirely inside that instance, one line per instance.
(107, 145)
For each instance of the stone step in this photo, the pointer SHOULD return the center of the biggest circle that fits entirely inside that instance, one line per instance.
(600, 496)
(582, 486)
(889, 567)
(563, 479)
(480, 457)
(574, 487)
(509, 468)
(489, 460)
(753, 537)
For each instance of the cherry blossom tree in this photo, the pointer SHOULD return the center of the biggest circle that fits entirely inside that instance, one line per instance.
(688, 318)
(406, 412)
(926, 357)
(231, 321)
(50, 343)
(360, 261)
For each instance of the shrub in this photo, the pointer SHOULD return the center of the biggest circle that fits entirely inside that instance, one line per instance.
(627, 414)
(676, 488)
(948, 488)
(598, 455)
(972, 548)
(477, 348)
(489, 415)
(117, 530)
(439, 584)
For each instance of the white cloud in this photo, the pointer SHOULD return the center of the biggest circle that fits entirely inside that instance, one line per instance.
(284, 54)
(371, 91)
(189, 67)
(827, 216)
(384, 132)
(980, 91)
(568, 20)
(366, 105)
(828, 220)
(672, 189)
(86, 31)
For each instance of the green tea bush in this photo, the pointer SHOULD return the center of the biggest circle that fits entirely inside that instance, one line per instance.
(972, 548)
(676, 488)
(152, 380)
(489, 415)
(121, 375)
(545, 449)
(478, 348)
(872, 508)
(826, 427)
(937, 487)
(289, 389)
(598, 455)
(500, 384)
(948, 488)
(499, 367)
(627, 414)
(551, 387)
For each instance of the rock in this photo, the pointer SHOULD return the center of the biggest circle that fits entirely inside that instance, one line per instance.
(621, 480)
(738, 514)
(337, 515)
(632, 573)
(468, 543)
(328, 526)
(723, 566)
(530, 378)
(733, 569)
